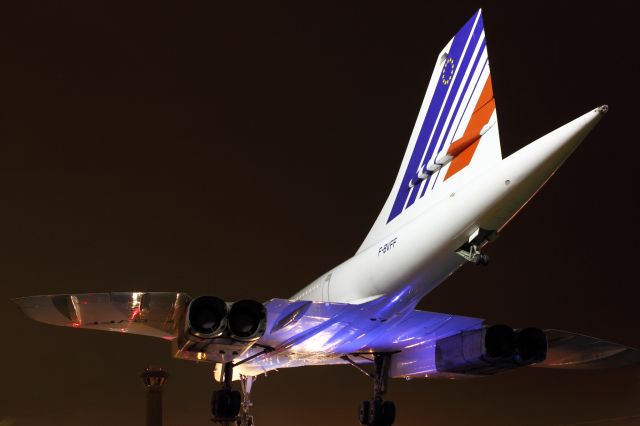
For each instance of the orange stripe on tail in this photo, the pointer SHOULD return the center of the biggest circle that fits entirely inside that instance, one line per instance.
(464, 148)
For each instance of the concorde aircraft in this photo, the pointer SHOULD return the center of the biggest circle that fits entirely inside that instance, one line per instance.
(453, 194)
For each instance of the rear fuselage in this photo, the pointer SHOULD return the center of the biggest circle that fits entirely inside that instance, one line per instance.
(411, 261)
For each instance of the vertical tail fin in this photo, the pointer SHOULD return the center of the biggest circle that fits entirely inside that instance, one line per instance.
(456, 132)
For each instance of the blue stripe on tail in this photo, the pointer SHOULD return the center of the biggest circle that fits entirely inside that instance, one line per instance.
(456, 84)
(455, 112)
(423, 143)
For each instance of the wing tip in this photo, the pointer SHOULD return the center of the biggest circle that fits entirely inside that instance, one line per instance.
(579, 352)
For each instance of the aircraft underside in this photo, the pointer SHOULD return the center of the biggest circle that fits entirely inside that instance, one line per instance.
(453, 194)
(243, 341)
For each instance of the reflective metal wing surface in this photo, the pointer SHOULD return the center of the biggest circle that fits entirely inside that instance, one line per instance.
(335, 329)
(302, 333)
(148, 314)
(577, 352)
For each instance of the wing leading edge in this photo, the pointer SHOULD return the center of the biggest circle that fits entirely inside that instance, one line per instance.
(154, 314)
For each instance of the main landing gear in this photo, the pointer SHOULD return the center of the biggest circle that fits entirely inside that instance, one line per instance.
(377, 411)
(246, 419)
(226, 402)
(231, 407)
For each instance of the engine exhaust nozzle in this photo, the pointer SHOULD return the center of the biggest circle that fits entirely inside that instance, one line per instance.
(247, 320)
(207, 317)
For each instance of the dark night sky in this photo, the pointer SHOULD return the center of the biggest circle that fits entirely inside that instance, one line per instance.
(242, 150)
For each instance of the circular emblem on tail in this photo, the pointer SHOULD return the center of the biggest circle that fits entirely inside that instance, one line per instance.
(447, 71)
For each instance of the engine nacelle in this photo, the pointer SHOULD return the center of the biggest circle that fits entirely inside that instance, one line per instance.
(217, 331)
(490, 350)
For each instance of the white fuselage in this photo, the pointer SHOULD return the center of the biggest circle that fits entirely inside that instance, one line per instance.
(414, 259)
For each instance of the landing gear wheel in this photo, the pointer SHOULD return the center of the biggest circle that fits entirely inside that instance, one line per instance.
(244, 420)
(215, 404)
(375, 414)
(225, 405)
(364, 413)
(382, 413)
(377, 411)
(234, 406)
(388, 413)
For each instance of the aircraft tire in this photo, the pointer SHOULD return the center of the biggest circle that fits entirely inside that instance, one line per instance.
(235, 401)
(363, 414)
(225, 404)
(388, 413)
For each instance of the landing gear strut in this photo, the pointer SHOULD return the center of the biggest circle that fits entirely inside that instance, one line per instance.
(377, 411)
(228, 406)
(245, 419)
(226, 402)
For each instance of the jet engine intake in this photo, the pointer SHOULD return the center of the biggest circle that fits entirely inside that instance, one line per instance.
(490, 350)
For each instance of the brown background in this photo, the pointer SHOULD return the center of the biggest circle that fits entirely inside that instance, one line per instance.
(241, 150)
